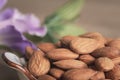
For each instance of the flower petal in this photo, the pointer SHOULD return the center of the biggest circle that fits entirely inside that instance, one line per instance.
(28, 23)
(10, 37)
(2, 3)
(20, 46)
(6, 14)
(38, 31)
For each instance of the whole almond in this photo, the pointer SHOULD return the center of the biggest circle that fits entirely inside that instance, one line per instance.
(65, 41)
(104, 64)
(46, 77)
(105, 79)
(29, 51)
(114, 43)
(46, 47)
(108, 40)
(61, 54)
(55, 72)
(110, 52)
(78, 74)
(83, 45)
(58, 44)
(98, 76)
(97, 36)
(116, 60)
(70, 64)
(88, 59)
(38, 64)
(114, 74)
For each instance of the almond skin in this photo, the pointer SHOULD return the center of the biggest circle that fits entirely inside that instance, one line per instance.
(104, 64)
(61, 54)
(108, 40)
(29, 51)
(97, 36)
(114, 74)
(98, 76)
(116, 60)
(78, 74)
(70, 64)
(83, 45)
(105, 79)
(46, 47)
(58, 44)
(110, 52)
(46, 77)
(114, 43)
(55, 72)
(38, 64)
(88, 59)
(65, 41)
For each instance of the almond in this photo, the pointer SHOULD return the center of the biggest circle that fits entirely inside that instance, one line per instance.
(104, 64)
(38, 64)
(70, 64)
(114, 74)
(98, 76)
(114, 43)
(58, 44)
(65, 41)
(46, 77)
(116, 60)
(105, 79)
(57, 73)
(88, 59)
(46, 47)
(110, 52)
(108, 40)
(97, 36)
(61, 54)
(29, 51)
(83, 45)
(78, 74)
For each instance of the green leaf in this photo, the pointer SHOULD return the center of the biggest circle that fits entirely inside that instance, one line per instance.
(66, 13)
(71, 29)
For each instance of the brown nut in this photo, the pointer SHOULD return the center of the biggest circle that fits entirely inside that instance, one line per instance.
(88, 59)
(61, 54)
(70, 64)
(110, 52)
(58, 44)
(46, 77)
(97, 36)
(78, 74)
(83, 45)
(114, 74)
(108, 40)
(55, 72)
(46, 47)
(104, 64)
(105, 79)
(116, 60)
(38, 64)
(98, 76)
(29, 51)
(65, 41)
(114, 43)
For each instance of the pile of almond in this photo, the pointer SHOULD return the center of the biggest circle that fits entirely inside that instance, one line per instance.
(90, 56)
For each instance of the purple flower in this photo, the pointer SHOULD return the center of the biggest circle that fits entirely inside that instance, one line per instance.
(10, 37)
(27, 23)
(12, 26)
(2, 3)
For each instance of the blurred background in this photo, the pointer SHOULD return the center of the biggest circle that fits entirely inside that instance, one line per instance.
(97, 15)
